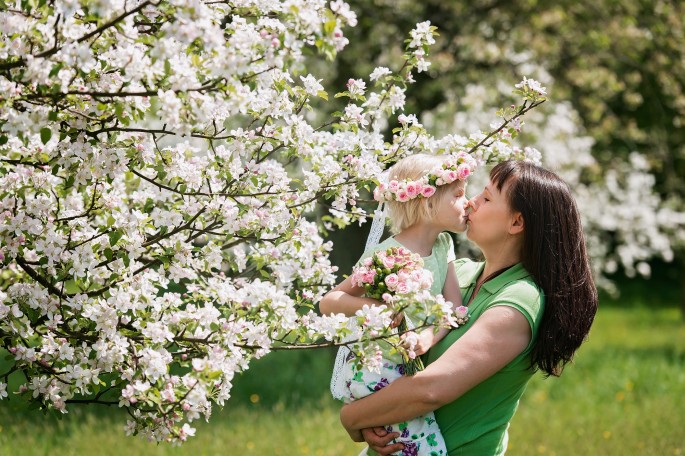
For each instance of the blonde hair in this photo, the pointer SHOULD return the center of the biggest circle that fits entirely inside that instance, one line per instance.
(405, 214)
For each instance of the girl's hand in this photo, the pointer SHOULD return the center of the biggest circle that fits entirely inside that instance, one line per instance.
(397, 319)
(421, 342)
(378, 439)
(355, 435)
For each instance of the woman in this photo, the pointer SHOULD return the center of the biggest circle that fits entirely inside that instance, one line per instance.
(531, 305)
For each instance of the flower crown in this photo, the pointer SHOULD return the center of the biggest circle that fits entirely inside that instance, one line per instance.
(455, 167)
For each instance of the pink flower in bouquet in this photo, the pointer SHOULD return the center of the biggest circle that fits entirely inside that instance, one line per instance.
(392, 281)
(367, 262)
(403, 288)
(387, 297)
(388, 262)
(402, 251)
(369, 276)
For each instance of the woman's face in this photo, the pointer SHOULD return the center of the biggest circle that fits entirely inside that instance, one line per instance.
(451, 211)
(490, 216)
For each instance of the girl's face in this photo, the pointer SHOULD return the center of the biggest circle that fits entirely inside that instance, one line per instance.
(451, 211)
(490, 216)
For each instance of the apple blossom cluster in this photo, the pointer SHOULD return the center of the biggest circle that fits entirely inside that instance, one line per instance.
(162, 194)
(456, 167)
(396, 277)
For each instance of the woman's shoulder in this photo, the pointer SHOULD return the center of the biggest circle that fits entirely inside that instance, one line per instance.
(522, 289)
(524, 294)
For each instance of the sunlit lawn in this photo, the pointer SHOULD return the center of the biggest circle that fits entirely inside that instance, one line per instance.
(624, 395)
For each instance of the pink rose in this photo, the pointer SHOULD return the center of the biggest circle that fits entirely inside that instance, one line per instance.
(402, 196)
(369, 276)
(367, 262)
(392, 281)
(412, 191)
(403, 288)
(393, 185)
(463, 171)
(388, 262)
(451, 177)
(428, 191)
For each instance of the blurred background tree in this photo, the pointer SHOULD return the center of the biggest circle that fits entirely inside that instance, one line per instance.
(615, 124)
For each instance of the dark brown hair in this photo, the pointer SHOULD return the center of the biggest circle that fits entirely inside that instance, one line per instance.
(554, 253)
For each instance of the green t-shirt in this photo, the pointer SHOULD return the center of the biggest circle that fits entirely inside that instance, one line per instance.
(476, 423)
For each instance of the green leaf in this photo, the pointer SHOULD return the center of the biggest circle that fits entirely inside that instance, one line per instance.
(3, 140)
(45, 134)
(329, 26)
(114, 237)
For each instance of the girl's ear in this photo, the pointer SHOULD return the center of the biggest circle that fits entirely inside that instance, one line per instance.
(517, 224)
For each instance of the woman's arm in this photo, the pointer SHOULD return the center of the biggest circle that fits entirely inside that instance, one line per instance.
(345, 298)
(493, 341)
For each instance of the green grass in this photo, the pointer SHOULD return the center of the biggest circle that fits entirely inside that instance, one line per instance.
(624, 395)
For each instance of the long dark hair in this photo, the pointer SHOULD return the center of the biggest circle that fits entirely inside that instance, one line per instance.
(554, 253)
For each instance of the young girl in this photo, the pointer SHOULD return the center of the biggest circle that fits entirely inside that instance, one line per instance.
(425, 195)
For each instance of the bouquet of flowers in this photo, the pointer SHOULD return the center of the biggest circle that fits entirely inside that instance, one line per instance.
(396, 276)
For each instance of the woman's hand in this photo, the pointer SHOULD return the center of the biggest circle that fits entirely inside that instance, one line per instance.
(378, 439)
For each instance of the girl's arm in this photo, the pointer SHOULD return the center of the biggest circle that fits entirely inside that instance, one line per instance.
(451, 292)
(494, 340)
(345, 298)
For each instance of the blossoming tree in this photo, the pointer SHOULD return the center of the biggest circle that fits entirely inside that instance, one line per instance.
(159, 176)
(616, 128)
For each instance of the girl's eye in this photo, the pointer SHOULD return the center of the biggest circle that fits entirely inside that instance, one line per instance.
(486, 199)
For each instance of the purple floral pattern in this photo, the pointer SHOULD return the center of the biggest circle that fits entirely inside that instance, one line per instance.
(420, 436)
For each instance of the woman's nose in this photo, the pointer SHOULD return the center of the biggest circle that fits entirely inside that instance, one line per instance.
(471, 204)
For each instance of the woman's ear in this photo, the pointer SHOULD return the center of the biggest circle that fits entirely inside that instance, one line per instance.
(517, 224)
